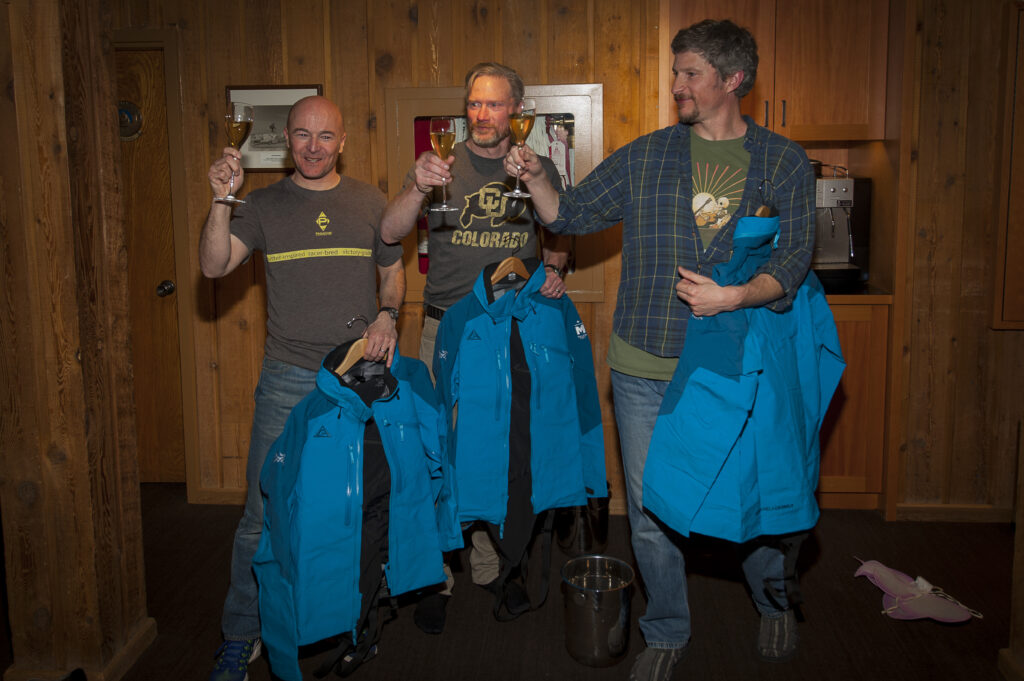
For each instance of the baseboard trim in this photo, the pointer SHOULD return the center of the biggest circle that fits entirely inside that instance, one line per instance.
(953, 513)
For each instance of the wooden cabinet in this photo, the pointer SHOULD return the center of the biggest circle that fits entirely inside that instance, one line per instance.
(853, 434)
(822, 64)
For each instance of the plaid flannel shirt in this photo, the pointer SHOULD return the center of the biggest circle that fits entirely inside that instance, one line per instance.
(647, 185)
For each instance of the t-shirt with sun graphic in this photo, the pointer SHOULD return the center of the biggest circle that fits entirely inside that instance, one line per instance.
(719, 173)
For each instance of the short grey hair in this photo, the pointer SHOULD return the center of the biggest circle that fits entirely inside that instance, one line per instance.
(727, 47)
(490, 68)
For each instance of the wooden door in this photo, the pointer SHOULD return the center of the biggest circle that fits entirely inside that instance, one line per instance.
(151, 264)
(830, 67)
(759, 19)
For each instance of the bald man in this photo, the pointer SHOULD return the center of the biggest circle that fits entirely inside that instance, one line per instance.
(319, 233)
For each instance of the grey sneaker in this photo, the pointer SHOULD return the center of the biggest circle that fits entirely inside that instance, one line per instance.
(655, 664)
(778, 637)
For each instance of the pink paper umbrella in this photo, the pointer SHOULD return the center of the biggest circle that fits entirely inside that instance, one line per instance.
(911, 599)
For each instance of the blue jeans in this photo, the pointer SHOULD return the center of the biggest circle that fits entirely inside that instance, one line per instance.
(666, 623)
(281, 387)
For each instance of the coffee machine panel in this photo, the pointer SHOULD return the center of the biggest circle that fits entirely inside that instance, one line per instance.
(842, 205)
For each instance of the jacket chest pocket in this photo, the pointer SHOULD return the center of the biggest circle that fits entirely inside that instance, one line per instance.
(552, 377)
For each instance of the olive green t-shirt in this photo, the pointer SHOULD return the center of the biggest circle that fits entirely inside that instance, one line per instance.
(719, 173)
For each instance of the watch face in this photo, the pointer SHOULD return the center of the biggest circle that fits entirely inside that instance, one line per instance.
(391, 311)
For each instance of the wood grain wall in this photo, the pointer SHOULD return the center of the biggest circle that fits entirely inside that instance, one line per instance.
(358, 50)
(960, 435)
(68, 480)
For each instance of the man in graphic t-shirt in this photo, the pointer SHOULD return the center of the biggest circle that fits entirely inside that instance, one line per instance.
(485, 228)
(320, 238)
(678, 193)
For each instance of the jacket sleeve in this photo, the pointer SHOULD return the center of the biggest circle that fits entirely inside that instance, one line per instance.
(273, 562)
(793, 180)
(588, 406)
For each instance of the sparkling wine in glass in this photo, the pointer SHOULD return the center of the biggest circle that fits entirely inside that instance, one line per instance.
(520, 124)
(442, 138)
(238, 124)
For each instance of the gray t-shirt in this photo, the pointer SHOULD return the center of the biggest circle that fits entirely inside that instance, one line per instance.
(487, 227)
(321, 250)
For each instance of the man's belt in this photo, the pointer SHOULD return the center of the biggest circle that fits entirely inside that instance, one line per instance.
(433, 311)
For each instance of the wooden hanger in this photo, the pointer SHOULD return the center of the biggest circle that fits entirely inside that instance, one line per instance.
(763, 212)
(354, 354)
(506, 267)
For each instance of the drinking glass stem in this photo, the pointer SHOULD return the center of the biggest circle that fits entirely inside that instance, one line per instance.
(519, 170)
(231, 186)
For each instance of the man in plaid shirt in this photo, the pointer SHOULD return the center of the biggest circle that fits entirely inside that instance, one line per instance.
(678, 193)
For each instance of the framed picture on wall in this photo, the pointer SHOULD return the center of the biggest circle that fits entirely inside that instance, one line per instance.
(264, 147)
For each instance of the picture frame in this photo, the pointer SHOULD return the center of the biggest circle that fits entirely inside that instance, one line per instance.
(265, 149)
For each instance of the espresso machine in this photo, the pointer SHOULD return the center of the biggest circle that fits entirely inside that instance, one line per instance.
(841, 209)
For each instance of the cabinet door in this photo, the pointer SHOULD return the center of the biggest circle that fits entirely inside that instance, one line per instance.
(830, 61)
(853, 433)
(759, 19)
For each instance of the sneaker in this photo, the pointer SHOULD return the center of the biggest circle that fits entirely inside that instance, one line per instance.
(655, 664)
(777, 639)
(429, 614)
(233, 658)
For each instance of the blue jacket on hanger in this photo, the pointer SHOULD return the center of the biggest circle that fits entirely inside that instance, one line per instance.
(735, 450)
(472, 368)
(308, 560)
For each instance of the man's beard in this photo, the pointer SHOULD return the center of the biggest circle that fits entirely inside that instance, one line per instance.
(489, 142)
(689, 118)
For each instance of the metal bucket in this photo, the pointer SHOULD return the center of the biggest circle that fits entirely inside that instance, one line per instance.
(596, 591)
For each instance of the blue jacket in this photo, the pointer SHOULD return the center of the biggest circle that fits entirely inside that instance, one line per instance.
(735, 449)
(472, 368)
(307, 562)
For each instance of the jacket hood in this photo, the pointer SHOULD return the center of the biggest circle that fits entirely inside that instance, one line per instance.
(511, 304)
(358, 388)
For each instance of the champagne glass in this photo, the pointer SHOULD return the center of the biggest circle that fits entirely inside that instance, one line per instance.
(237, 123)
(520, 124)
(442, 138)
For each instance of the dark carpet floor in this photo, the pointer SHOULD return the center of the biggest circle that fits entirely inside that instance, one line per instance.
(844, 635)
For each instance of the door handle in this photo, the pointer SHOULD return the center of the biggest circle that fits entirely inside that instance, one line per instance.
(165, 288)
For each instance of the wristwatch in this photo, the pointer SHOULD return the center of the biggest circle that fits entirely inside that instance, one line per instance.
(554, 268)
(393, 312)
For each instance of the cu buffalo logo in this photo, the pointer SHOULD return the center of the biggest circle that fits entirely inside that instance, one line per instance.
(489, 205)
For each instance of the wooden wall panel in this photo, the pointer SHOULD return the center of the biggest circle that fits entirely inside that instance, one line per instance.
(305, 50)
(571, 41)
(71, 523)
(392, 38)
(978, 442)
(932, 415)
(964, 413)
(262, 39)
(526, 30)
(350, 70)
(476, 35)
